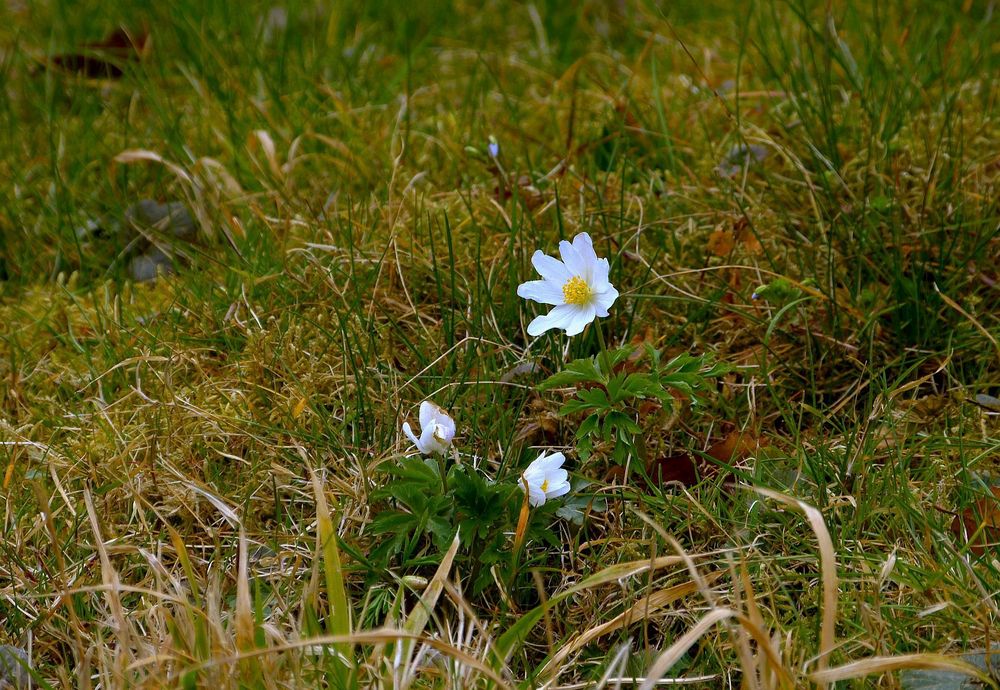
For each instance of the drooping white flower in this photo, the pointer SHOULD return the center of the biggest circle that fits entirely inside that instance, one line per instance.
(578, 287)
(437, 430)
(545, 478)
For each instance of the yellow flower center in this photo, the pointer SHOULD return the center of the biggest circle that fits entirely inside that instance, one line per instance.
(576, 291)
(545, 485)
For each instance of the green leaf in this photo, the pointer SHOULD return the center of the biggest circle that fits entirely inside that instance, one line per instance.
(595, 397)
(639, 385)
(621, 354)
(589, 426)
(615, 384)
(393, 522)
(577, 371)
(339, 619)
(574, 504)
(780, 291)
(480, 506)
(586, 399)
(573, 406)
(621, 423)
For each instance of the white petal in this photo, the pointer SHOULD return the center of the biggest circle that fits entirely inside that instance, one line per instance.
(549, 463)
(560, 490)
(533, 475)
(536, 463)
(544, 291)
(582, 315)
(442, 418)
(550, 268)
(427, 412)
(585, 247)
(409, 432)
(557, 478)
(428, 444)
(445, 428)
(560, 317)
(599, 280)
(604, 300)
(536, 496)
(574, 262)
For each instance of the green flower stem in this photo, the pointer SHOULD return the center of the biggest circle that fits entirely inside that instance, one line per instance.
(443, 469)
(604, 358)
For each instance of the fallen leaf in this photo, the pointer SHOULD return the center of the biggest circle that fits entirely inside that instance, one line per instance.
(736, 446)
(680, 467)
(981, 523)
(746, 237)
(721, 242)
(105, 59)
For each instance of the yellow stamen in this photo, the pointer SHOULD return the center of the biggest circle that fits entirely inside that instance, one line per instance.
(545, 485)
(576, 291)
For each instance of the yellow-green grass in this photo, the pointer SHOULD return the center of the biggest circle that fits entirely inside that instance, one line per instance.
(178, 454)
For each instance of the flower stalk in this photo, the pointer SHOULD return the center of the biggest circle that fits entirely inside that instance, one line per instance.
(604, 358)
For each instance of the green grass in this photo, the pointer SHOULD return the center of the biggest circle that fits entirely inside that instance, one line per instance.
(371, 260)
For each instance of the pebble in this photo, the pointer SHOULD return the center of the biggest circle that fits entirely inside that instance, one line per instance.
(14, 664)
(739, 156)
(140, 229)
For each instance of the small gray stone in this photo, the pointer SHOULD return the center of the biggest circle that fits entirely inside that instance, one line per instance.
(172, 218)
(14, 665)
(988, 402)
(740, 156)
(952, 680)
(91, 228)
(148, 266)
(274, 24)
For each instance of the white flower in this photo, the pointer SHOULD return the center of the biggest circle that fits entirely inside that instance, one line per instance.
(545, 478)
(578, 286)
(437, 429)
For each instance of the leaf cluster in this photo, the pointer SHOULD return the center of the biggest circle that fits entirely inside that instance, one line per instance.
(611, 386)
(423, 513)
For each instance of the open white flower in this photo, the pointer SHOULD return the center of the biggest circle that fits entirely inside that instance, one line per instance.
(437, 430)
(578, 287)
(545, 478)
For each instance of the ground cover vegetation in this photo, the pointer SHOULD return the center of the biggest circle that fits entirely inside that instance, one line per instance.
(742, 432)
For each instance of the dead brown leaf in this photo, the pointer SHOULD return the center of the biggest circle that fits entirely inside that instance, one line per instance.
(735, 447)
(680, 467)
(980, 522)
(747, 238)
(721, 242)
(104, 59)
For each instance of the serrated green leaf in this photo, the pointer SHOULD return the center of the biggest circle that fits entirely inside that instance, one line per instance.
(595, 397)
(588, 426)
(577, 371)
(392, 522)
(621, 354)
(573, 406)
(615, 388)
(640, 385)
